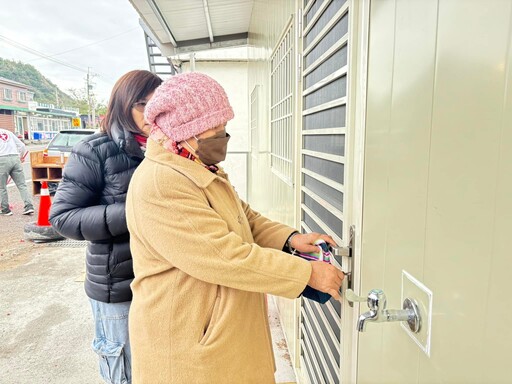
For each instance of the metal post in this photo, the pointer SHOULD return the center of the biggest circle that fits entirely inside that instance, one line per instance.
(88, 99)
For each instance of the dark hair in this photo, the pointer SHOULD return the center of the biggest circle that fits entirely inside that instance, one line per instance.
(130, 88)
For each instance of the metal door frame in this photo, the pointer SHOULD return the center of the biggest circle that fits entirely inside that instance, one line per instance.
(356, 125)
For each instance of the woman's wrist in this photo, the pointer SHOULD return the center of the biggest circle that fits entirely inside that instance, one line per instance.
(289, 242)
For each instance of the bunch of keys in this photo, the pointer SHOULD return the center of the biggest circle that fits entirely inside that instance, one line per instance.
(323, 254)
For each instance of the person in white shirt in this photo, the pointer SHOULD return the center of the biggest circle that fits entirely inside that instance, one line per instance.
(11, 153)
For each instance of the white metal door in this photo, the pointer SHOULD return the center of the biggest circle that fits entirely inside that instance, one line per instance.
(437, 184)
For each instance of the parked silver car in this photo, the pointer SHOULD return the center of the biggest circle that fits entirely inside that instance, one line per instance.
(64, 141)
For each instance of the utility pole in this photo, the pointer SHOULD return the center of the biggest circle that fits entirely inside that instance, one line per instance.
(89, 86)
(91, 100)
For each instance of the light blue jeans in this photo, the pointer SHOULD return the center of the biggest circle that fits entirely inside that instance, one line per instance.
(111, 341)
(10, 165)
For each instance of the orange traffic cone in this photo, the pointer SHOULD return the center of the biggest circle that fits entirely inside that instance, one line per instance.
(44, 206)
(42, 231)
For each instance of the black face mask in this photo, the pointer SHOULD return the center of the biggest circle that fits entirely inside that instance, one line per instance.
(213, 149)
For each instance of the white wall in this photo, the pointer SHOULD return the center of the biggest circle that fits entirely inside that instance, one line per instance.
(233, 78)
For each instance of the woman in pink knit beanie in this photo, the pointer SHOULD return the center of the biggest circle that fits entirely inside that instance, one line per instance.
(203, 259)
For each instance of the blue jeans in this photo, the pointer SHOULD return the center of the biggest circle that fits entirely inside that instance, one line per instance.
(111, 341)
(10, 165)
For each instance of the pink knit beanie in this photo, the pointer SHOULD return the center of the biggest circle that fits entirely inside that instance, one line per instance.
(186, 105)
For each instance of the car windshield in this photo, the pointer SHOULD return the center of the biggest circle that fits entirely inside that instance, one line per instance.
(67, 139)
(73, 139)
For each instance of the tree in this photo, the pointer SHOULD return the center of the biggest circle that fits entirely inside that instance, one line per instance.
(79, 97)
(79, 100)
(101, 109)
(44, 90)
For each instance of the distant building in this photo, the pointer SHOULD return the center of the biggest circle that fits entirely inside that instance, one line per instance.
(47, 119)
(20, 114)
(14, 112)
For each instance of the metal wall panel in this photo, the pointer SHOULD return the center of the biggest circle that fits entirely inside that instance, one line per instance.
(324, 102)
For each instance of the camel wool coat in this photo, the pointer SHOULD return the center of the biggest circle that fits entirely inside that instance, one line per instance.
(203, 261)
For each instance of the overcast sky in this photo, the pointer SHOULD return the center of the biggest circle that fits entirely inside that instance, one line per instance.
(104, 35)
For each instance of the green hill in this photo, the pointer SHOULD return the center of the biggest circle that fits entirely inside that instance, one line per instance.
(44, 89)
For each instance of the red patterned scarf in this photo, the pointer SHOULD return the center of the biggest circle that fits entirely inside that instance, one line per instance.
(180, 150)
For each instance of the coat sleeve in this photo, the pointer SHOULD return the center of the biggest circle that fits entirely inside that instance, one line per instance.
(76, 211)
(175, 223)
(266, 233)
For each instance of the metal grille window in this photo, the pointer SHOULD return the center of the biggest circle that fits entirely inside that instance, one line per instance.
(282, 65)
(324, 103)
(255, 145)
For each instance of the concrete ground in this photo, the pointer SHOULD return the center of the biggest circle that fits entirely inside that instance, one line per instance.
(46, 325)
(45, 320)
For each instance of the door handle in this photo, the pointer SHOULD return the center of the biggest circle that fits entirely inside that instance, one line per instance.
(353, 298)
(378, 312)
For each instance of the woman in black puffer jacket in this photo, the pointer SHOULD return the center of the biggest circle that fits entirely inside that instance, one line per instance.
(90, 205)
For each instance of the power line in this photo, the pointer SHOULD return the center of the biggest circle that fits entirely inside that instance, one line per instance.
(40, 54)
(93, 43)
(49, 57)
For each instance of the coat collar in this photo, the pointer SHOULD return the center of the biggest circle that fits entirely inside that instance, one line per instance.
(198, 174)
(125, 140)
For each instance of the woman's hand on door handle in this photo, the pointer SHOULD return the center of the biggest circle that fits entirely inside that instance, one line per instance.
(326, 278)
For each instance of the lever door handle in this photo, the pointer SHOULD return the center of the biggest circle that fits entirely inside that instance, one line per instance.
(353, 298)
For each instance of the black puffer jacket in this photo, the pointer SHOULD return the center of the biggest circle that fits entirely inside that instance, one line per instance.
(90, 205)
